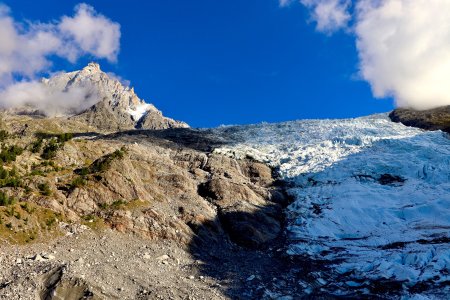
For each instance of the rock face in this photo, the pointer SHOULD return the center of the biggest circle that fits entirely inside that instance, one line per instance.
(118, 107)
(433, 119)
(177, 190)
(166, 189)
(161, 184)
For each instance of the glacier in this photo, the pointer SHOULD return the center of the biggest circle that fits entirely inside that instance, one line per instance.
(371, 199)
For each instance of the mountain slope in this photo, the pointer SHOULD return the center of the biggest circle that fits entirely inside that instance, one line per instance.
(118, 107)
(367, 215)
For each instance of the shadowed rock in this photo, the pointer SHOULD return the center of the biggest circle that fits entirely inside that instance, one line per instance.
(433, 119)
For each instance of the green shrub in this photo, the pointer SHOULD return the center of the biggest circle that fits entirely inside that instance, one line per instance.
(4, 135)
(3, 173)
(88, 217)
(103, 163)
(5, 200)
(50, 149)
(56, 142)
(11, 182)
(42, 169)
(9, 154)
(84, 171)
(50, 221)
(117, 204)
(64, 137)
(37, 173)
(36, 146)
(27, 208)
(10, 178)
(103, 206)
(44, 189)
(78, 182)
(47, 163)
(28, 190)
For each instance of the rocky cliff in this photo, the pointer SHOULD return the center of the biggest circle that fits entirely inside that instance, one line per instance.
(433, 119)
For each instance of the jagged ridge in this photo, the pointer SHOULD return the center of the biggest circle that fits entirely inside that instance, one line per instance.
(118, 108)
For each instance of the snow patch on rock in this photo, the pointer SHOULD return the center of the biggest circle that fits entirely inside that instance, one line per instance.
(139, 111)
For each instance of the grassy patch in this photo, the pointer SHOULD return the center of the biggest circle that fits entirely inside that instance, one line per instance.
(43, 168)
(24, 222)
(122, 204)
(103, 163)
(94, 222)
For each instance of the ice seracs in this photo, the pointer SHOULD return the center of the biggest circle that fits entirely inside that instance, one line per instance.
(372, 198)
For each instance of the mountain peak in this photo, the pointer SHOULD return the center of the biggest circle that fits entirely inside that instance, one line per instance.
(102, 101)
(92, 67)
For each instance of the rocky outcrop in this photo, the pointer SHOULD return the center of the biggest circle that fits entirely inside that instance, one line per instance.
(433, 119)
(170, 191)
(242, 191)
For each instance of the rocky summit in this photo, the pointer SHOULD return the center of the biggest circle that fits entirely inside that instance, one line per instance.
(116, 107)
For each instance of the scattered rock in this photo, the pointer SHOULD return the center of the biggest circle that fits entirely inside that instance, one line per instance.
(163, 257)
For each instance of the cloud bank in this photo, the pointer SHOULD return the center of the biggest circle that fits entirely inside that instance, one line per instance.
(53, 102)
(403, 45)
(26, 49)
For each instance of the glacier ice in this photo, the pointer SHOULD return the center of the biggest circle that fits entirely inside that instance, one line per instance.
(372, 197)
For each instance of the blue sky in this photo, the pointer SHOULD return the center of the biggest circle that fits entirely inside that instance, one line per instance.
(227, 62)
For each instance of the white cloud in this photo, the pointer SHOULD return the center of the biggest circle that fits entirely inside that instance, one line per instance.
(26, 49)
(404, 49)
(403, 45)
(92, 33)
(329, 15)
(48, 99)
